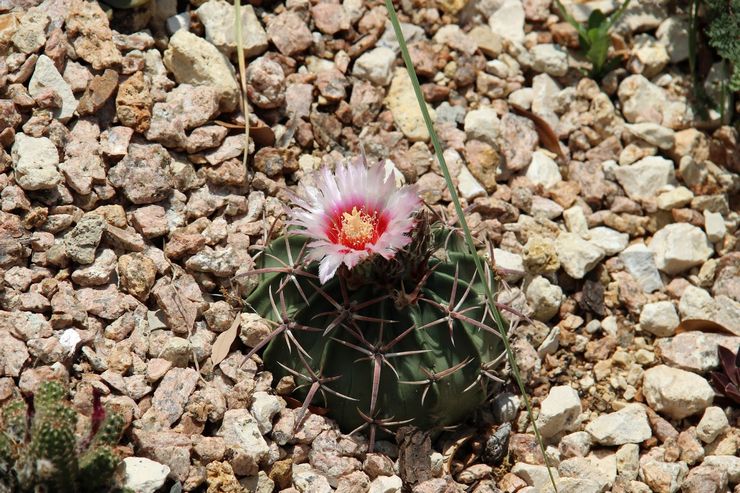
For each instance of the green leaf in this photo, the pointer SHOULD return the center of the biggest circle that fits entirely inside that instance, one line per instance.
(596, 20)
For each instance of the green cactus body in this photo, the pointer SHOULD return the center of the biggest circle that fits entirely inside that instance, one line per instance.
(40, 451)
(417, 347)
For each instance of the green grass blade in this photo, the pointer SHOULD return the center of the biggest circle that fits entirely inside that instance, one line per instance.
(465, 227)
(242, 75)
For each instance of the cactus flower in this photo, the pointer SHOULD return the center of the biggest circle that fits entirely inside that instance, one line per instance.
(352, 214)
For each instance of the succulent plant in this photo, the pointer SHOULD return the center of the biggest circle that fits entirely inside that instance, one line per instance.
(379, 337)
(40, 451)
(727, 381)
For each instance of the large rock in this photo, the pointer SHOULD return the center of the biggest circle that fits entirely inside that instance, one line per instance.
(217, 17)
(483, 124)
(643, 179)
(404, 107)
(46, 76)
(659, 318)
(558, 411)
(83, 240)
(143, 475)
(695, 351)
(676, 393)
(143, 174)
(679, 247)
(35, 163)
(543, 170)
(577, 256)
(628, 425)
(193, 60)
(639, 261)
(508, 20)
(375, 66)
(242, 434)
(643, 101)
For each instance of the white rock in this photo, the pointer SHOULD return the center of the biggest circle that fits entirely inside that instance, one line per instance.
(35, 162)
(600, 469)
(544, 92)
(659, 318)
(674, 199)
(46, 75)
(550, 59)
(508, 20)
(308, 480)
(694, 351)
(676, 393)
(728, 463)
(543, 170)
(575, 221)
(628, 425)
(69, 340)
(264, 407)
(533, 475)
(509, 261)
(375, 66)
(673, 33)
(712, 424)
(582, 11)
(698, 303)
(558, 411)
(217, 17)
(679, 247)
(714, 225)
(404, 107)
(483, 124)
(654, 134)
(454, 37)
(178, 22)
(577, 256)
(628, 460)
(643, 101)
(411, 33)
(522, 97)
(609, 240)
(643, 179)
(571, 485)
(542, 207)
(544, 298)
(468, 185)
(639, 261)
(241, 433)
(663, 476)
(649, 56)
(143, 475)
(193, 60)
(386, 484)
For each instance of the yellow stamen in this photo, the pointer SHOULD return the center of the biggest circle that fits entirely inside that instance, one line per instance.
(357, 226)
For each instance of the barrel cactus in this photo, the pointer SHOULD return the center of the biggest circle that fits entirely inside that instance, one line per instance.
(39, 449)
(377, 312)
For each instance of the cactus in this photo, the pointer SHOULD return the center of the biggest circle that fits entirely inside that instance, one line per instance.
(392, 339)
(39, 449)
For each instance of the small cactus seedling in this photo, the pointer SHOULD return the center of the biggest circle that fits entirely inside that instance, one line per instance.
(392, 325)
(39, 450)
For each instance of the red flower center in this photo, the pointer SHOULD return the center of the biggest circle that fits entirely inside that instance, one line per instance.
(356, 227)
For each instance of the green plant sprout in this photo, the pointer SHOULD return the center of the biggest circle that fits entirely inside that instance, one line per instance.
(594, 38)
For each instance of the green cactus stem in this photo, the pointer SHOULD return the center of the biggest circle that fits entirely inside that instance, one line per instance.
(405, 340)
(40, 451)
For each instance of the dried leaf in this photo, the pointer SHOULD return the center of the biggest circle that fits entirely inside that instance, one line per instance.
(222, 345)
(547, 136)
(262, 135)
(701, 325)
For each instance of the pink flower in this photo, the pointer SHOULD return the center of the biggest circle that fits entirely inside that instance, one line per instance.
(352, 214)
